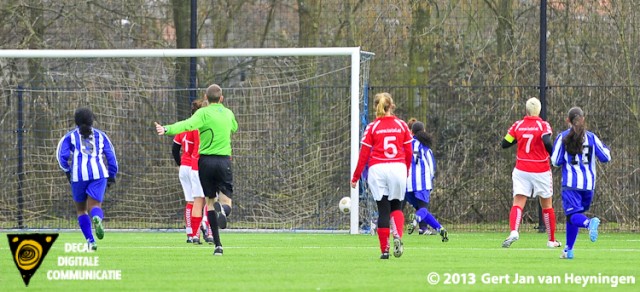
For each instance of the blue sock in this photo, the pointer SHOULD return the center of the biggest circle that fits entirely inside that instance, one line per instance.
(580, 220)
(421, 214)
(85, 225)
(572, 233)
(424, 215)
(97, 211)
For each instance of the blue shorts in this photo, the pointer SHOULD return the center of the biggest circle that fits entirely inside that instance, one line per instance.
(93, 188)
(576, 201)
(413, 197)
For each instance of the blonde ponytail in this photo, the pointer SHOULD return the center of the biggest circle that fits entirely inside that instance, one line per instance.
(383, 103)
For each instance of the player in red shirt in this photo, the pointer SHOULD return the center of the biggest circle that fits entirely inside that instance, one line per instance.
(189, 142)
(532, 173)
(386, 151)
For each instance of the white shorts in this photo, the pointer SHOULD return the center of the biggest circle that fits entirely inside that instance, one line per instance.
(387, 179)
(190, 181)
(532, 183)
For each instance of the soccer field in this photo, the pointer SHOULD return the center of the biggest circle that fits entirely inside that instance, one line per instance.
(156, 261)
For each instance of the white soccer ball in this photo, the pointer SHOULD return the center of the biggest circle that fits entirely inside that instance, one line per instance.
(345, 205)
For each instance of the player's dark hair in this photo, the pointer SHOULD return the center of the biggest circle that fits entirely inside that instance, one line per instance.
(574, 140)
(197, 104)
(418, 130)
(411, 121)
(84, 120)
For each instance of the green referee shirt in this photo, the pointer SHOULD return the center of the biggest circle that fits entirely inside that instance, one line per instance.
(215, 123)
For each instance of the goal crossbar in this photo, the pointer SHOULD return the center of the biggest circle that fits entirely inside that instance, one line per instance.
(179, 53)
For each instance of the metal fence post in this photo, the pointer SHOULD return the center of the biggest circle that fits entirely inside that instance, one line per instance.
(20, 160)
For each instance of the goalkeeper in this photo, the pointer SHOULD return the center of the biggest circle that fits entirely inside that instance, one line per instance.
(215, 123)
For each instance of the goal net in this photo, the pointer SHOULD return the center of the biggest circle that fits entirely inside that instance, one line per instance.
(298, 110)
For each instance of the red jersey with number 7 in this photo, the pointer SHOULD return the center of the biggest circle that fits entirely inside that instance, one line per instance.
(190, 142)
(385, 140)
(531, 156)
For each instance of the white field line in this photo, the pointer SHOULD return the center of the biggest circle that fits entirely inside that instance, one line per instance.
(190, 246)
(291, 231)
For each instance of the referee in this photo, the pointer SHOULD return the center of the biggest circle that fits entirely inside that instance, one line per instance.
(215, 123)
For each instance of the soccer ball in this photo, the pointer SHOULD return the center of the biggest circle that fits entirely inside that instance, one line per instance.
(345, 205)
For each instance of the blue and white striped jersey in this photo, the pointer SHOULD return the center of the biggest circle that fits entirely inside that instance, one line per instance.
(86, 155)
(579, 171)
(423, 168)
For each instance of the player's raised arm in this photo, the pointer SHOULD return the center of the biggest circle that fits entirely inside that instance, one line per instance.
(161, 130)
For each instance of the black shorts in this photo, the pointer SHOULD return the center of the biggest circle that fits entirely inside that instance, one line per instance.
(215, 175)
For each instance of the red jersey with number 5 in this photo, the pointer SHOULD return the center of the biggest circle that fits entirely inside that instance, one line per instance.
(531, 156)
(385, 140)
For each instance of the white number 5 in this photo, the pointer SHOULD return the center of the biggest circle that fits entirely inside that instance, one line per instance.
(388, 145)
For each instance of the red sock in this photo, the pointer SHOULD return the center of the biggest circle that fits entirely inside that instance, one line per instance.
(549, 218)
(383, 237)
(397, 223)
(515, 216)
(196, 221)
(206, 220)
(187, 218)
(209, 231)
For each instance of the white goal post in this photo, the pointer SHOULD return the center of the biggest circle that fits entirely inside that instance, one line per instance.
(355, 54)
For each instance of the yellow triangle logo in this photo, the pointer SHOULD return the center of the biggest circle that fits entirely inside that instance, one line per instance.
(28, 251)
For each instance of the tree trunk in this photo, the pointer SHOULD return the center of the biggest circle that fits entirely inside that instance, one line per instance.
(504, 32)
(181, 20)
(42, 123)
(419, 52)
(309, 18)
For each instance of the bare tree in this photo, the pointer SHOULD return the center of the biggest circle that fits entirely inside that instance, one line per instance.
(182, 21)
(34, 23)
(309, 16)
(420, 46)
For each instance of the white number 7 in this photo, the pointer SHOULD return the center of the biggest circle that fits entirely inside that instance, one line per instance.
(529, 138)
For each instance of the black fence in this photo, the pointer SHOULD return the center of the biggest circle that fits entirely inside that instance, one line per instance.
(472, 187)
(473, 183)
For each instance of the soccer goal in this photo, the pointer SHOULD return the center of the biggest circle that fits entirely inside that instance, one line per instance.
(300, 113)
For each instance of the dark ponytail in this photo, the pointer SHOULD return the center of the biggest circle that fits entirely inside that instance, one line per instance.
(424, 138)
(574, 140)
(84, 120)
(417, 128)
